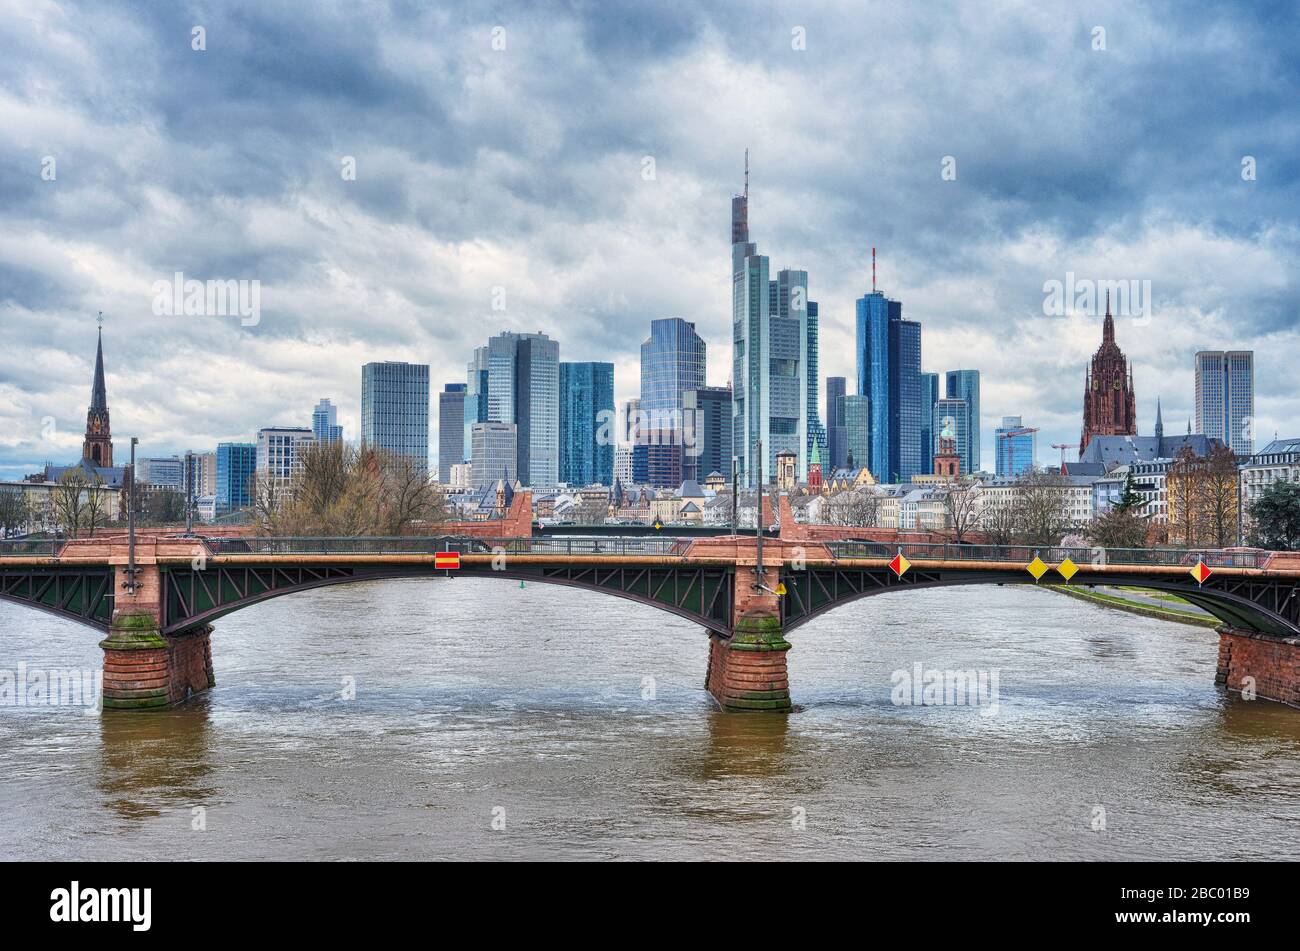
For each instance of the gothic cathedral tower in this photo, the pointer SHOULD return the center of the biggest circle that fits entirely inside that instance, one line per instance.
(97, 449)
(1109, 405)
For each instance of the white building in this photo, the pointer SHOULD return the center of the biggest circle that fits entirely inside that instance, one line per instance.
(1279, 461)
(279, 457)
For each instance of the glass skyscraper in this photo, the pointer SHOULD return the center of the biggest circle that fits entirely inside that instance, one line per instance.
(1015, 447)
(395, 408)
(774, 398)
(953, 416)
(929, 434)
(965, 385)
(451, 429)
(836, 387)
(855, 414)
(516, 379)
(325, 426)
(1225, 398)
(708, 418)
(236, 463)
(587, 430)
(672, 361)
(889, 374)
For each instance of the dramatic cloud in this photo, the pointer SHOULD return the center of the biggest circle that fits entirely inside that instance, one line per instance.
(524, 167)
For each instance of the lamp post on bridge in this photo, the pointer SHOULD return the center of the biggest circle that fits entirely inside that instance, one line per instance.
(130, 584)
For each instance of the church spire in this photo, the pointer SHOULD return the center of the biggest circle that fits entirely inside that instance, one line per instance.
(1108, 327)
(1160, 426)
(98, 391)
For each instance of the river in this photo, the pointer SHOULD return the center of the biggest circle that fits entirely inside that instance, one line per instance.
(475, 719)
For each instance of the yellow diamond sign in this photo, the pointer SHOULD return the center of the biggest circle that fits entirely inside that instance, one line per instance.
(1068, 569)
(780, 590)
(1037, 567)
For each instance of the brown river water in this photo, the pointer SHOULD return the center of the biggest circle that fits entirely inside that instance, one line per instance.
(474, 719)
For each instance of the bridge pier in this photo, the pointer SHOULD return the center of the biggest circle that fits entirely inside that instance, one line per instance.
(145, 669)
(747, 671)
(1271, 665)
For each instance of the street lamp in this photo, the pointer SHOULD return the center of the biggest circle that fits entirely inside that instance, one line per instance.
(130, 523)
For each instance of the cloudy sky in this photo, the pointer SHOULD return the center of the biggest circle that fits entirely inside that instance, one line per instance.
(582, 157)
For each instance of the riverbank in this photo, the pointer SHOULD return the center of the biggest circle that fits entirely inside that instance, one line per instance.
(1119, 603)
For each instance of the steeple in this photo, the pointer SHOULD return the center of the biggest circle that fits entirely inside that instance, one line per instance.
(1108, 326)
(97, 447)
(98, 391)
(1160, 426)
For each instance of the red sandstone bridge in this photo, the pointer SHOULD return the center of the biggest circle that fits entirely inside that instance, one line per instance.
(158, 621)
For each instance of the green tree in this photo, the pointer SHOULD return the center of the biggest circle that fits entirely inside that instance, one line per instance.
(1275, 516)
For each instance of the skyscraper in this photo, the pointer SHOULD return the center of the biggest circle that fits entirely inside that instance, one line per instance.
(1015, 447)
(587, 431)
(516, 379)
(325, 426)
(1225, 397)
(236, 462)
(707, 417)
(672, 362)
(836, 387)
(772, 347)
(855, 414)
(395, 408)
(451, 429)
(929, 432)
(494, 452)
(965, 385)
(889, 373)
(952, 419)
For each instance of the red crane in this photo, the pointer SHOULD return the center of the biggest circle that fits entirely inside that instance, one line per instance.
(1064, 446)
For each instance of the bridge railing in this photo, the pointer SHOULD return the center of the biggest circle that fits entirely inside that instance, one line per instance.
(43, 547)
(1024, 554)
(405, 545)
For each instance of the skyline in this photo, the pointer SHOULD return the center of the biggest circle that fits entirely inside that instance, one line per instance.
(402, 262)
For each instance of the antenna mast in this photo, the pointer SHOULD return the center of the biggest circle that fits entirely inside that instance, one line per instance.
(873, 270)
(747, 173)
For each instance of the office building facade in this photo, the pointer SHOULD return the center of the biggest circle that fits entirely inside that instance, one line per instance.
(965, 385)
(236, 463)
(587, 429)
(451, 429)
(889, 374)
(835, 455)
(1225, 398)
(493, 453)
(325, 426)
(1015, 446)
(706, 412)
(395, 409)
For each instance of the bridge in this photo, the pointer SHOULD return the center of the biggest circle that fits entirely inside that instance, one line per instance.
(156, 605)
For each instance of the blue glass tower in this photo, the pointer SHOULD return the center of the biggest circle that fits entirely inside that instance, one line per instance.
(236, 463)
(587, 446)
(929, 433)
(889, 374)
(965, 385)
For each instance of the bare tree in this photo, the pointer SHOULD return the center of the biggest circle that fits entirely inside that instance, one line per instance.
(854, 508)
(1219, 495)
(1185, 492)
(1041, 515)
(999, 521)
(13, 511)
(961, 503)
(408, 494)
(96, 504)
(69, 501)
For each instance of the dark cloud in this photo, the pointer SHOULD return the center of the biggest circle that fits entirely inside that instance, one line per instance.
(523, 168)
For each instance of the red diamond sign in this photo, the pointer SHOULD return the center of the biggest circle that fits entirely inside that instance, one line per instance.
(1200, 572)
(899, 565)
